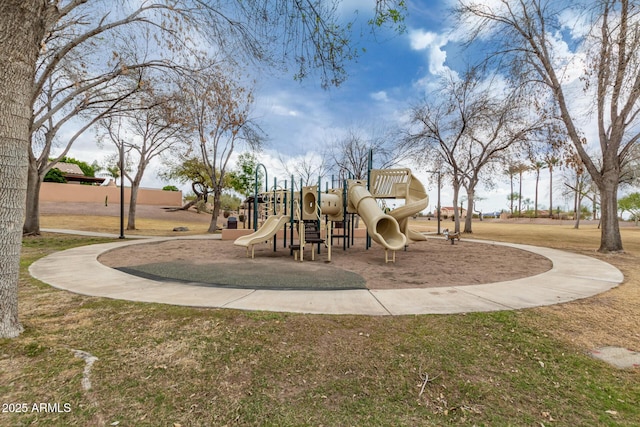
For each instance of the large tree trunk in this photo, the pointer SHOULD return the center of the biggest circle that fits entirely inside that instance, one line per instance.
(22, 28)
(188, 205)
(456, 211)
(578, 213)
(607, 179)
(610, 240)
(213, 226)
(13, 178)
(31, 225)
(578, 205)
(133, 200)
(469, 218)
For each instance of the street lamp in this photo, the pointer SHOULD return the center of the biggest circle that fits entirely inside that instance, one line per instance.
(121, 189)
(122, 144)
(438, 207)
(255, 194)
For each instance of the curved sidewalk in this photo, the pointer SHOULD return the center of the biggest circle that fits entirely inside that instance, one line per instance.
(571, 277)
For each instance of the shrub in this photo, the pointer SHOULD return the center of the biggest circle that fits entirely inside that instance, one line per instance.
(201, 206)
(55, 175)
(170, 188)
(229, 202)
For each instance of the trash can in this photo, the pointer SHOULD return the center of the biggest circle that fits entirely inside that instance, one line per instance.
(232, 223)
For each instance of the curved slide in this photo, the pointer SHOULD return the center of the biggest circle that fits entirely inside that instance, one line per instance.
(264, 233)
(417, 200)
(382, 228)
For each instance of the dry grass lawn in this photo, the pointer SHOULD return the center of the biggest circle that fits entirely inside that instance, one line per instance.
(612, 318)
(615, 313)
(108, 224)
(177, 366)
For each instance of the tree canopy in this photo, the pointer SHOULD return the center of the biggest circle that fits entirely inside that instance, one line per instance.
(243, 178)
(631, 204)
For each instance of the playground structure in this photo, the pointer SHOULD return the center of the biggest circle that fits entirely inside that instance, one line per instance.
(305, 211)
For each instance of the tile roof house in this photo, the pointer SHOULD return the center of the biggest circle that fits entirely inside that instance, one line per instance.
(73, 174)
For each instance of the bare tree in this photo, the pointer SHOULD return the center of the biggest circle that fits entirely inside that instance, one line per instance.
(577, 182)
(349, 153)
(470, 129)
(527, 35)
(48, 122)
(307, 167)
(88, 65)
(219, 114)
(154, 126)
(442, 133)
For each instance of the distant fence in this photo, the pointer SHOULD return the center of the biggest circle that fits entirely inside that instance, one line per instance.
(76, 193)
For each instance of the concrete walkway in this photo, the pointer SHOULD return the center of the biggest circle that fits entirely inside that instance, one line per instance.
(572, 277)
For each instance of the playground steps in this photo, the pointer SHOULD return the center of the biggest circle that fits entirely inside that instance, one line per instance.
(311, 235)
(312, 232)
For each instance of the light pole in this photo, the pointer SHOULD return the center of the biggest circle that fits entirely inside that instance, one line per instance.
(438, 207)
(122, 144)
(255, 194)
(121, 189)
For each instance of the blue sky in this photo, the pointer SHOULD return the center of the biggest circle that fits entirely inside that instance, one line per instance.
(394, 73)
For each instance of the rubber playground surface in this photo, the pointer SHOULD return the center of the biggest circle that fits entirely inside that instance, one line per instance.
(261, 275)
(78, 270)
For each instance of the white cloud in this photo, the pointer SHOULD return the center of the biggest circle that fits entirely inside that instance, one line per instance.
(421, 40)
(433, 44)
(281, 110)
(576, 23)
(380, 96)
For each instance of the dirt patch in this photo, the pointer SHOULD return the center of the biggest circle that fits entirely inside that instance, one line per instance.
(434, 263)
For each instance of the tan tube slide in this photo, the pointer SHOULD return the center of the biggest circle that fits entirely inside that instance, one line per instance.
(382, 228)
(416, 201)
